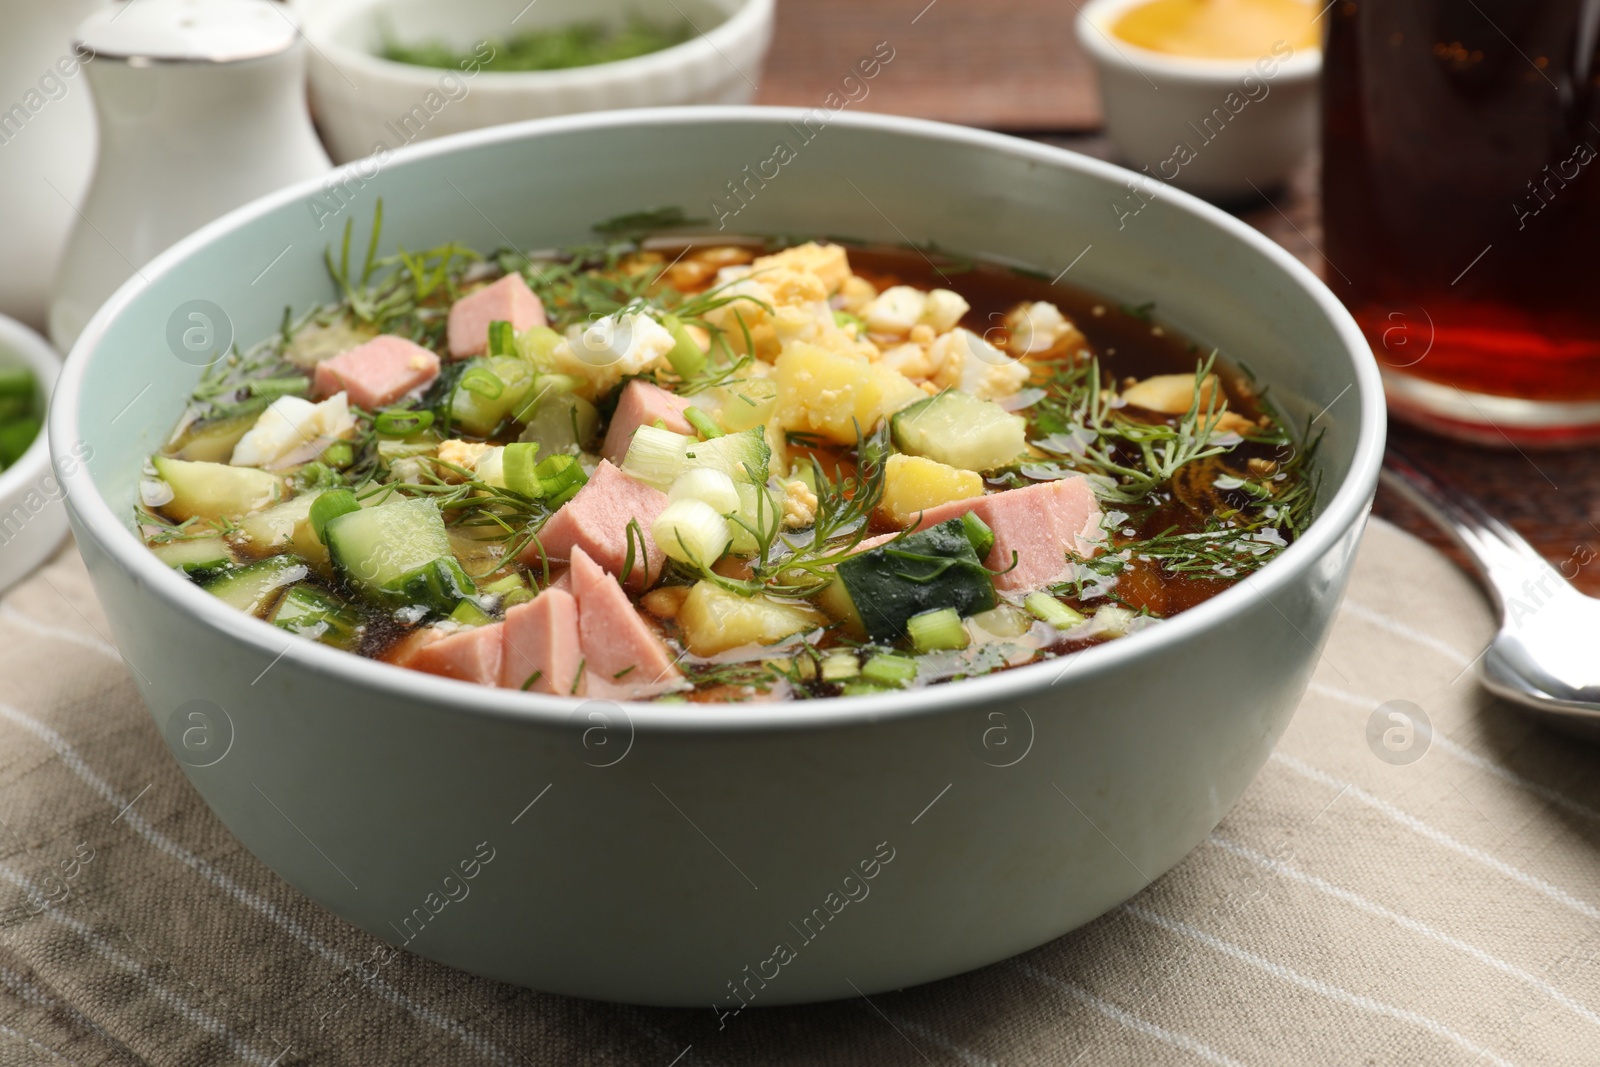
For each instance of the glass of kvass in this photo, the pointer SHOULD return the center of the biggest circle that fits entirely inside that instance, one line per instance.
(1461, 195)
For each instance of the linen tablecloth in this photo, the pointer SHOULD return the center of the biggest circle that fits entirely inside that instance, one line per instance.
(1412, 879)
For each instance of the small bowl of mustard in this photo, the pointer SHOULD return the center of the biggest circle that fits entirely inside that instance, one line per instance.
(1216, 97)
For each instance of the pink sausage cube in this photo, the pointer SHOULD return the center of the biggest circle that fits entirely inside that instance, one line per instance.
(541, 637)
(1040, 523)
(377, 373)
(595, 521)
(641, 404)
(507, 300)
(623, 656)
(471, 655)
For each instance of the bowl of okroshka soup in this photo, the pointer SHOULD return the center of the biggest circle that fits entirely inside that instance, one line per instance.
(721, 556)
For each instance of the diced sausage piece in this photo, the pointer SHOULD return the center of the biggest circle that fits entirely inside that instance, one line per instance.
(471, 655)
(596, 521)
(507, 300)
(623, 656)
(641, 404)
(377, 373)
(1040, 523)
(541, 642)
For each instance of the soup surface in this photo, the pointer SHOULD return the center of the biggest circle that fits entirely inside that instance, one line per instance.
(674, 469)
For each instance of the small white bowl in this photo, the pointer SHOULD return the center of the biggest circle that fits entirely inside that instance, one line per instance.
(1220, 128)
(32, 520)
(366, 104)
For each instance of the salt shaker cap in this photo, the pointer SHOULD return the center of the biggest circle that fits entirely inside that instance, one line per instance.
(188, 31)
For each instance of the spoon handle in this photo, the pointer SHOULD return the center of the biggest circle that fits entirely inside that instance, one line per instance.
(1513, 569)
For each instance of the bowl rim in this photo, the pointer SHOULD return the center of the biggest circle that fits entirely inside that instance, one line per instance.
(41, 358)
(323, 23)
(1344, 510)
(1094, 34)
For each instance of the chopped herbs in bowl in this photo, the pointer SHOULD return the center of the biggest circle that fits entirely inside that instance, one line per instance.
(653, 468)
(582, 44)
(20, 414)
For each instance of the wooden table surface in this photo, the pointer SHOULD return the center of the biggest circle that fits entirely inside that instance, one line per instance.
(1014, 65)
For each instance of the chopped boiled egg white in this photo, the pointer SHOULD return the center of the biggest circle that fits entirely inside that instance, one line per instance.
(799, 503)
(1037, 327)
(290, 423)
(944, 309)
(895, 310)
(609, 349)
(963, 360)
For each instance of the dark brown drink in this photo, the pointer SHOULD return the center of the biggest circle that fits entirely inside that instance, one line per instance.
(1462, 204)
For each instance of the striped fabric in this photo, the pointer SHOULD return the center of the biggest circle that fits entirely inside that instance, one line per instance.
(1361, 905)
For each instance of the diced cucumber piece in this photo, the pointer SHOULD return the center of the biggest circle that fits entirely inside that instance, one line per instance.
(562, 423)
(512, 590)
(930, 569)
(960, 430)
(398, 553)
(286, 525)
(536, 344)
(744, 456)
(491, 388)
(215, 490)
(758, 519)
(201, 558)
(319, 615)
(746, 403)
(213, 441)
(329, 506)
(254, 589)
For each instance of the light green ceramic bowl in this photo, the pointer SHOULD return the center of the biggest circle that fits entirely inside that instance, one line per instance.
(671, 855)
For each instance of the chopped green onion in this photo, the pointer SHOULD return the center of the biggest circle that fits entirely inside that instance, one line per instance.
(481, 381)
(560, 478)
(691, 531)
(400, 422)
(1004, 621)
(656, 456)
(519, 470)
(709, 486)
(838, 666)
(469, 614)
(886, 668)
(330, 506)
(339, 455)
(502, 339)
(844, 319)
(1050, 610)
(272, 388)
(704, 424)
(937, 630)
(685, 356)
(978, 533)
(861, 687)
(512, 590)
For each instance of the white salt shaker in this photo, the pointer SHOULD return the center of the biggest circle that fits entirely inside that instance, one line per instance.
(201, 106)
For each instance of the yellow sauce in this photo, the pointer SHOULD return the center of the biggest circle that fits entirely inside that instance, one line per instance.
(1219, 29)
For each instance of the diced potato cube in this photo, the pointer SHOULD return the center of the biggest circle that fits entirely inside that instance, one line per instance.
(913, 484)
(714, 619)
(831, 394)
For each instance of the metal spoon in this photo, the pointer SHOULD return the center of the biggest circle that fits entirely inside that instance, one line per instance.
(1546, 656)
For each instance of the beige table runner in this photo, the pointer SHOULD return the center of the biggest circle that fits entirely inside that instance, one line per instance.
(1380, 896)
